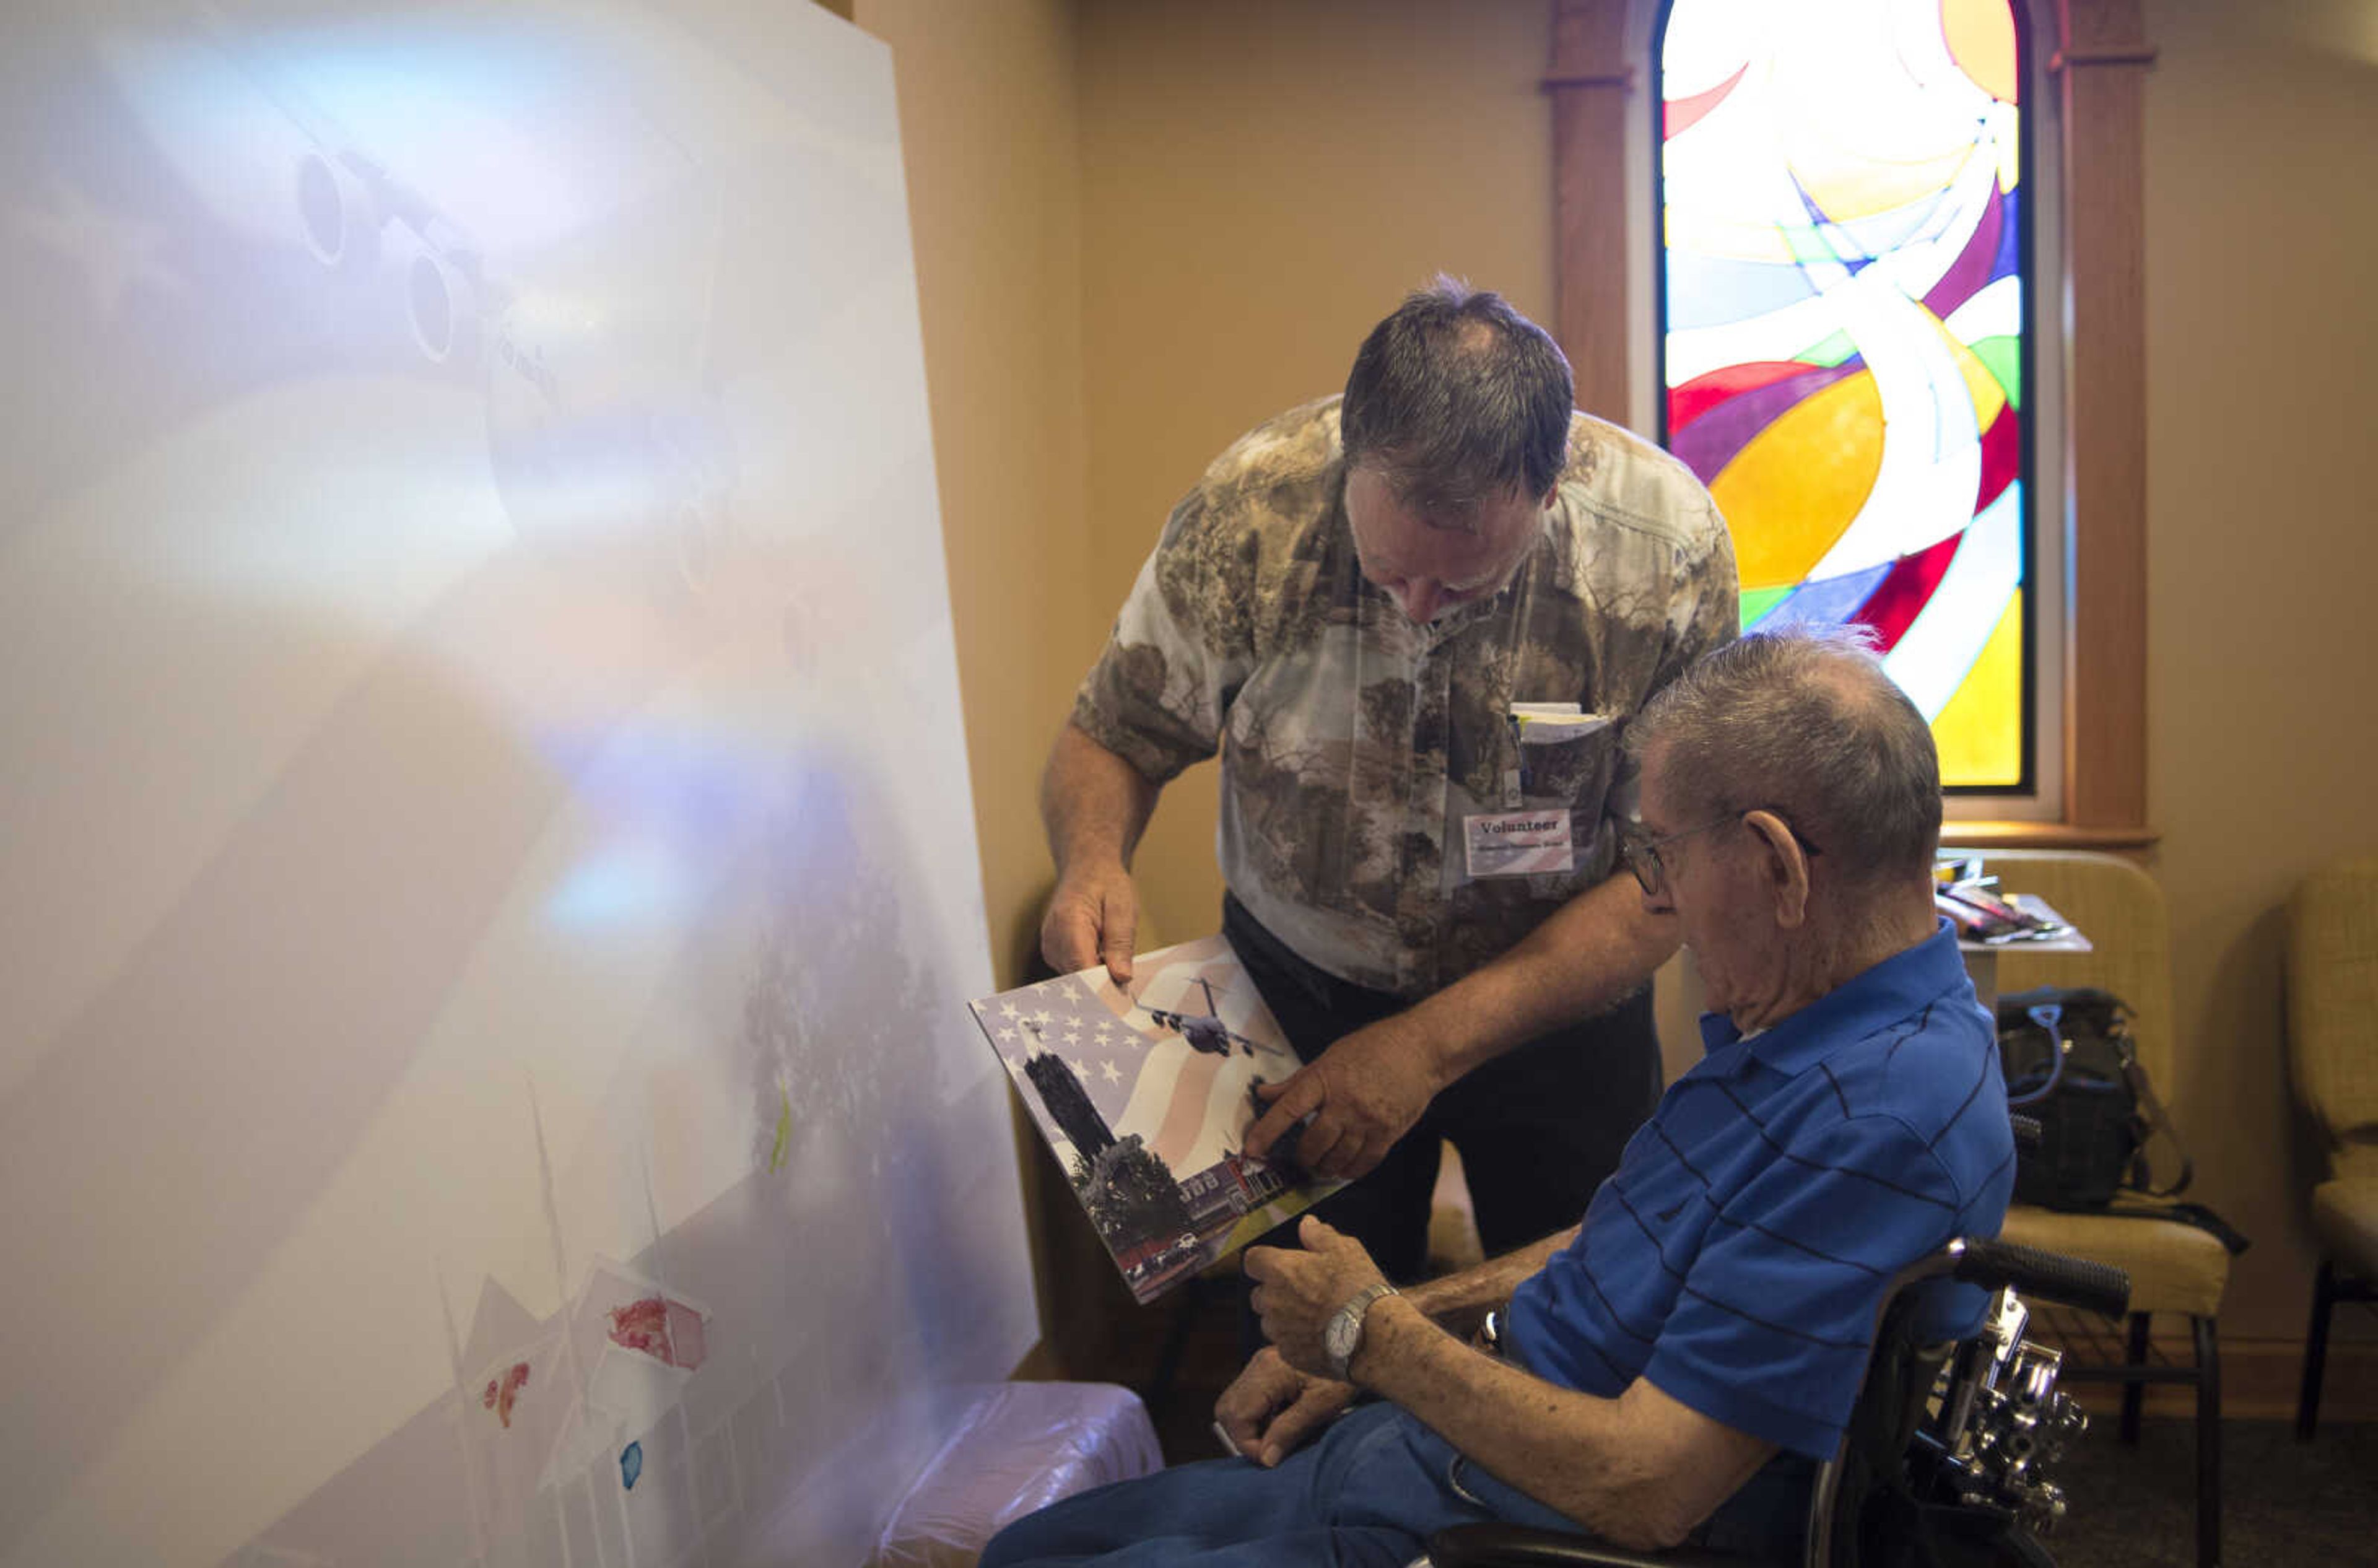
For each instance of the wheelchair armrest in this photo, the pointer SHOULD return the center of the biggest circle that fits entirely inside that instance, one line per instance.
(1522, 1545)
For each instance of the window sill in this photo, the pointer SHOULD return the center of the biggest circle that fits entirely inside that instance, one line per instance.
(1978, 834)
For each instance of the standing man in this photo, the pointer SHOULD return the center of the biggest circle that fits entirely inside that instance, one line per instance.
(1413, 620)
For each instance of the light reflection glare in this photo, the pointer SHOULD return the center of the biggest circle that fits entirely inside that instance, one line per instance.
(632, 885)
(489, 207)
(493, 120)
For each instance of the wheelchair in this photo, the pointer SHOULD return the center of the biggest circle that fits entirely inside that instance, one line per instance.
(1944, 1463)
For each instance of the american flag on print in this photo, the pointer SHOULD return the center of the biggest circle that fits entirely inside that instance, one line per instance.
(1164, 1069)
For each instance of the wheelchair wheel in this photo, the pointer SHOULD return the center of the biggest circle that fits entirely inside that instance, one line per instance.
(2021, 1549)
(1896, 1533)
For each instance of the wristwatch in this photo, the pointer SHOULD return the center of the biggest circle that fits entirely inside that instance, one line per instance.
(1342, 1335)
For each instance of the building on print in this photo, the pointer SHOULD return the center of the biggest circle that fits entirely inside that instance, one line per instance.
(1222, 1193)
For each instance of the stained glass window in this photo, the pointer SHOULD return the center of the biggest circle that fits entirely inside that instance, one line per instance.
(1842, 333)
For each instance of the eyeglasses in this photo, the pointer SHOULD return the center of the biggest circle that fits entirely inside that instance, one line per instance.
(1642, 854)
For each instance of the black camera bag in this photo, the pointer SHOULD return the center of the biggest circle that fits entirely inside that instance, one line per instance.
(2070, 1066)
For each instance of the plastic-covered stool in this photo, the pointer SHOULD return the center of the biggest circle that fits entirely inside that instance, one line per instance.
(1020, 1447)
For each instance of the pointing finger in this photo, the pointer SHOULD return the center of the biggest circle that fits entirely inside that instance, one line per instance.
(1297, 1098)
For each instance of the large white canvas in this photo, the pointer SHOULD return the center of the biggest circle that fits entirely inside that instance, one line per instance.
(487, 843)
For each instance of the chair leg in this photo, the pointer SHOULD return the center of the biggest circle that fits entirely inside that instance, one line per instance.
(2208, 1443)
(2323, 1297)
(2134, 1393)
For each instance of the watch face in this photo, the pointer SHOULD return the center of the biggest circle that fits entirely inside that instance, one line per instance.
(1340, 1337)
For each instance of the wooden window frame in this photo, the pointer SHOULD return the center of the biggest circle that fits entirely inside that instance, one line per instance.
(2099, 63)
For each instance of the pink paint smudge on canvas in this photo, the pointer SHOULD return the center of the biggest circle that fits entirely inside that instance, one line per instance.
(670, 1332)
(503, 1390)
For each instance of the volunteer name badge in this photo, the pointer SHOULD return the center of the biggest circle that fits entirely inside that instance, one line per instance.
(1516, 843)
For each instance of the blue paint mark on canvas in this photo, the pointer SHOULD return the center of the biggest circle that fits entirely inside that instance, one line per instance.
(632, 1464)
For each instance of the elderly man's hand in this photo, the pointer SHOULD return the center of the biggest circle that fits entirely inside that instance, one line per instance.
(1270, 1407)
(1298, 1291)
(1363, 1093)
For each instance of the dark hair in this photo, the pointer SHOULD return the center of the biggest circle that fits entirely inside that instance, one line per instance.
(1456, 398)
(1803, 720)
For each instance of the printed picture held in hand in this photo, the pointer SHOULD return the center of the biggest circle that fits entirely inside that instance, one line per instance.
(1145, 1095)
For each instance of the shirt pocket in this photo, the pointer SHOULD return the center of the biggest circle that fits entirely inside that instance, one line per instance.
(1573, 772)
(1574, 775)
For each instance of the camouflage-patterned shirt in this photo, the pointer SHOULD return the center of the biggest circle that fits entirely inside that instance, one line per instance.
(1354, 741)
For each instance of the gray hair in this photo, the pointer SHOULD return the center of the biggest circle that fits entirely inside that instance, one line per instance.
(1804, 721)
(1458, 398)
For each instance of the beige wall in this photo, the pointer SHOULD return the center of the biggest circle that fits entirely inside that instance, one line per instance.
(2262, 331)
(991, 141)
(1259, 182)
(1262, 182)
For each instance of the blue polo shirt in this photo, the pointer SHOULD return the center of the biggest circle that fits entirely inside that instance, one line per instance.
(1737, 1256)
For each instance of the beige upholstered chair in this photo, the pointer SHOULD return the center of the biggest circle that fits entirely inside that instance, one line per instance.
(2174, 1268)
(2332, 1055)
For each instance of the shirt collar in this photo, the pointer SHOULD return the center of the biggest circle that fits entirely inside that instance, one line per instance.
(1903, 983)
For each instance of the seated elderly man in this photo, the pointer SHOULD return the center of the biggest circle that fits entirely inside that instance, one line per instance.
(1675, 1365)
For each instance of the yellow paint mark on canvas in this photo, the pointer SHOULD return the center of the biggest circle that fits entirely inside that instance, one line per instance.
(1980, 731)
(783, 1130)
(1790, 494)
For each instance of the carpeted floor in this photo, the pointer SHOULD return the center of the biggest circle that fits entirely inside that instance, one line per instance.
(2283, 1502)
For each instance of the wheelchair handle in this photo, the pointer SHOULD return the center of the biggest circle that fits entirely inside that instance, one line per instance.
(2052, 1275)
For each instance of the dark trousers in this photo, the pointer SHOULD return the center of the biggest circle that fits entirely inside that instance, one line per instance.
(1538, 1128)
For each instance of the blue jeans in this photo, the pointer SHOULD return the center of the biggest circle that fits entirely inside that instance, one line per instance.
(1368, 1493)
